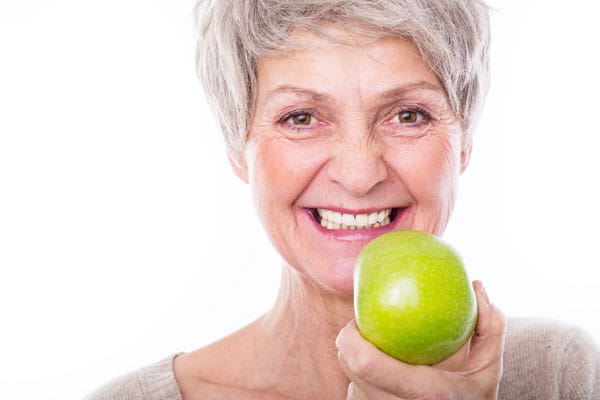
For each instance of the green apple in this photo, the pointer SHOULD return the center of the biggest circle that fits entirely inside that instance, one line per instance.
(412, 297)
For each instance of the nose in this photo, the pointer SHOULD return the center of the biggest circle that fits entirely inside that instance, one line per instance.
(358, 166)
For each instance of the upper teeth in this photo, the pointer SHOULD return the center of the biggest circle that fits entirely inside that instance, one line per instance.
(336, 220)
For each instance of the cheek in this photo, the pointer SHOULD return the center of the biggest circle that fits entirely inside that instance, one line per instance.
(445, 164)
(429, 172)
(280, 173)
(430, 169)
(281, 170)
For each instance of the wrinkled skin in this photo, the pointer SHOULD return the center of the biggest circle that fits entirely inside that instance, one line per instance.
(353, 129)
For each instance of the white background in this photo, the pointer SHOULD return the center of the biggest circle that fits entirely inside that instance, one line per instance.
(124, 237)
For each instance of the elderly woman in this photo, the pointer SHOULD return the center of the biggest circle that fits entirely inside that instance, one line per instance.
(349, 119)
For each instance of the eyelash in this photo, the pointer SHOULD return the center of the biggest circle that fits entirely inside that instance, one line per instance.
(423, 113)
(284, 120)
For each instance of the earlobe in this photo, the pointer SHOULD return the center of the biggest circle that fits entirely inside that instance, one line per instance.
(238, 164)
(465, 156)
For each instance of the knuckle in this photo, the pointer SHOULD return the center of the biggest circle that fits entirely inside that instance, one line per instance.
(365, 367)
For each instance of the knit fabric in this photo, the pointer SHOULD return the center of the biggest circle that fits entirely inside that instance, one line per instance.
(550, 361)
(543, 360)
(154, 382)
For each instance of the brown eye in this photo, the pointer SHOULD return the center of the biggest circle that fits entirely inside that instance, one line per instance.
(408, 117)
(302, 119)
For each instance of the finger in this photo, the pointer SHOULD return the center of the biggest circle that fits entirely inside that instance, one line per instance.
(354, 393)
(458, 360)
(351, 394)
(487, 343)
(362, 390)
(363, 362)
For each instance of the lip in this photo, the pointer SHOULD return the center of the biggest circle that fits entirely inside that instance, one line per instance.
(357, 234)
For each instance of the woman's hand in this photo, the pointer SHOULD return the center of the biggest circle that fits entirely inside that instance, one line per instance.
(474, 372)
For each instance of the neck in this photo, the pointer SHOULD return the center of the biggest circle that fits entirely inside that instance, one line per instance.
(302, 328)
(306, 306)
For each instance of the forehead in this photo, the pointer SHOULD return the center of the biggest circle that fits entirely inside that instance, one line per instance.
(352, 66)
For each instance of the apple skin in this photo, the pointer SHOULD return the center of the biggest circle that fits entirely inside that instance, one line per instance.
(412, 297)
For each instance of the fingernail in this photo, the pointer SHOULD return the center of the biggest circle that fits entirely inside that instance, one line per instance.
(349, 392)
(337, 339)
(484, 294)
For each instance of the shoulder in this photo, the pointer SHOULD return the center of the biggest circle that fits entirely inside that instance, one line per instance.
(538, 334)
(153, 382)
(549, 359)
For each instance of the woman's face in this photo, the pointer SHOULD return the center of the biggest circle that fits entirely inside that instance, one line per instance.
(347, 143)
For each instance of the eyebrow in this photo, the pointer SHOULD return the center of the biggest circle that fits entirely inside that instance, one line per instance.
(299, 91)
(402, 90)
(319, 97)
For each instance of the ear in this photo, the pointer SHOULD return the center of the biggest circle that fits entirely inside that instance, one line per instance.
(238, 164)
(465, 156)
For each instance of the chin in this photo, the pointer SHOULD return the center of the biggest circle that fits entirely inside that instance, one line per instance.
(339, 280)
(343, 289)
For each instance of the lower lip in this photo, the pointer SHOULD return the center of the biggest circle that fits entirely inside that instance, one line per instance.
(357, 234)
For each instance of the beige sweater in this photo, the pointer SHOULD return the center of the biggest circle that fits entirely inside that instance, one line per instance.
(542, 360)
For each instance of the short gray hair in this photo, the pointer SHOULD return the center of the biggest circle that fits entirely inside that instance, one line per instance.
(452, 35)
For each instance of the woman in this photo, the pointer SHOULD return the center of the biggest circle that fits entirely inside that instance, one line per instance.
(349, 119)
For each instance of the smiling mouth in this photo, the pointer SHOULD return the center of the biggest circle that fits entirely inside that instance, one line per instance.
(330, 219)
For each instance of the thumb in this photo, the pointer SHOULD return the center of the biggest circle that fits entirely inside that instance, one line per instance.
(487, 343)
(350, 392)
(354, 393)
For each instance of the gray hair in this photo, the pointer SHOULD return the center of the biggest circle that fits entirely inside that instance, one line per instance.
(452, 36)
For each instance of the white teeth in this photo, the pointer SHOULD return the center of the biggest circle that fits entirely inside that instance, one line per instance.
(361, 220)
(348, 219)
(372, 218)
(337, 217)
(336, 220)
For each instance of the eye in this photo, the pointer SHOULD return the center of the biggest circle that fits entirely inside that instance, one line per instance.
(301, 119)
(303, 123)
(408, 120)
(408, 117)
